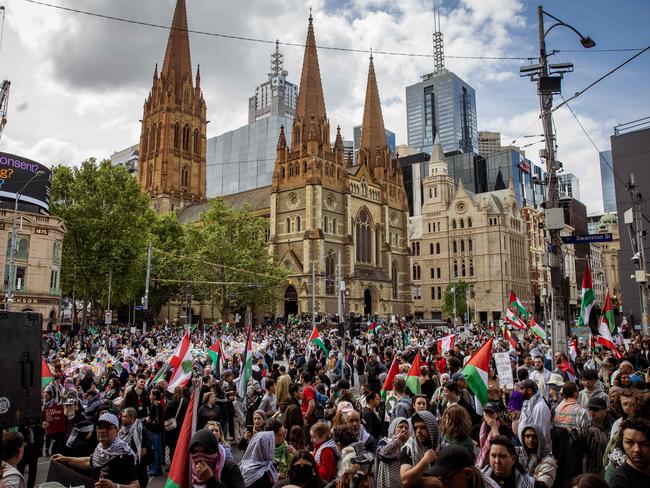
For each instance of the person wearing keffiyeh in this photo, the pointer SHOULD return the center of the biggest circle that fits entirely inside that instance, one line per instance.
(132, 433)
(210, 468)
(388, 453)
(257, 463)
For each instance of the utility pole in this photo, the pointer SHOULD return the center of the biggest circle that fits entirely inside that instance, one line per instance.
(146, 283)
(637, 237)
(341, 292)
(313, 294)
(453, 289)
(110, 288)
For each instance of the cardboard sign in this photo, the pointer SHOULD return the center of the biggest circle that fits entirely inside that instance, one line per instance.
(55, 418)
(504, 370)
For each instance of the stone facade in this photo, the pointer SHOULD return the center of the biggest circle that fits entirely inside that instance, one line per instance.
(478, 238)
(323, 207)
(172, 167)
(540, 274)
(610, 251)
(39, 247)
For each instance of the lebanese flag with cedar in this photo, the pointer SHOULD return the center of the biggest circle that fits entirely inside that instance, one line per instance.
(181, 361)
(446, 343)
(513, 320)
(605, 337)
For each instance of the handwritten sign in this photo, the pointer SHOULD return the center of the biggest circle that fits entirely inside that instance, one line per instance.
(504, 370)
(55, 418)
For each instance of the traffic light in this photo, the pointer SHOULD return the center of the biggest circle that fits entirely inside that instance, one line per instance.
(355, 326)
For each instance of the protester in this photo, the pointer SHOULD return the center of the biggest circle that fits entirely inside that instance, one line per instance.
(13, 448)
(209, 467)
(535, 458)
(504, 467)
(303, 472)
(257, 465)
(636, 443)
(325, 451)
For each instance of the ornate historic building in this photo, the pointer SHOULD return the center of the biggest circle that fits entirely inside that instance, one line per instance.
(476, 238)
(539, 271)
(322, 207)
(173, 138)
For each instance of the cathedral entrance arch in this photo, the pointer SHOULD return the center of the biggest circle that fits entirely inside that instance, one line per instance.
(367, 302)
(290, 301)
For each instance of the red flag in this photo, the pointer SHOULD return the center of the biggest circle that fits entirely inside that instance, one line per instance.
(179, 471)
(413, 378)
(388, 383)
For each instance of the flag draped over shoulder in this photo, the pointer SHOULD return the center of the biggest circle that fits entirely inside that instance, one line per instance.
(317, 340)
(476, 371)
(515, 303)
(413, 378)
(247, 365)
(588, 297)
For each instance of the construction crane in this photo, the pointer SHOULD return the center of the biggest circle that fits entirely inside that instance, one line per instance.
(4, 101)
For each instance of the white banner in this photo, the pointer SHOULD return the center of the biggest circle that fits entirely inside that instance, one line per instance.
(504, 369)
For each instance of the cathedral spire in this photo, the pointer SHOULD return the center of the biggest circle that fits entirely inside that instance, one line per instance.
(310, 98)
(178, 64)
(373, 135)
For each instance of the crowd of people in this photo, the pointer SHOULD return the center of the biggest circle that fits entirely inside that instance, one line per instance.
(318, 415)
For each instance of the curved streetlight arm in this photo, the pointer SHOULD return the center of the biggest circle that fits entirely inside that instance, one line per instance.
(565, 25)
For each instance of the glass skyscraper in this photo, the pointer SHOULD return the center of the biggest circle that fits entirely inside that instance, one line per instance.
(390, 139)
(568, 185)
(243, 159)
(441, 108)
(508, 164)
(607, 181)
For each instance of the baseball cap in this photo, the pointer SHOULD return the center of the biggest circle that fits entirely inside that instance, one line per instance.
(597, 403)
(555, 379)
(459, 375)
(491, 407)
(345, 407)
(108, 418)
(451, 458)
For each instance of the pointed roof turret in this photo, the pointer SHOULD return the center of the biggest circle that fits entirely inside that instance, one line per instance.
(178, 64)
(282, 140)
(310, 98)
(155, 73)
(373, 134)
(338, 143)
(198, 76)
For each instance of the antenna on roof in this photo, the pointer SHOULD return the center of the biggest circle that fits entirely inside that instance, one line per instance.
(276, 60)
(438, 48)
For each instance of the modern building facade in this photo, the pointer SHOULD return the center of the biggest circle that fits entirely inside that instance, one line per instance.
(441, 109)
(128, 158)
(607, 181)
(477, 238)
(568, 185)
(243, 159)
(509, 164)
(488, 142)
(630, 149)
(173, 138)
(39, 248)
(415, 167)
(276, 96)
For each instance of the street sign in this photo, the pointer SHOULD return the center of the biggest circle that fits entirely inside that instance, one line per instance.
(138, 307)
(108, 317)
(586, 238)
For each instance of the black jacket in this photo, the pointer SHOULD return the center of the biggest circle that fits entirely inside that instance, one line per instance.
(231, 477)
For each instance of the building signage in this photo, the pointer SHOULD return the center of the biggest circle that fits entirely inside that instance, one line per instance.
(26, 301)
(41, 231)
(524, 166)
(15, 172)
(587, 238)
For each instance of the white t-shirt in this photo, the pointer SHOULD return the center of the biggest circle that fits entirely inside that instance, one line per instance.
(11, 477)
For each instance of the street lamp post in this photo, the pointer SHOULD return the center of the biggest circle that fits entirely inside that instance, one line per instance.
(12, 250)
(548, 78)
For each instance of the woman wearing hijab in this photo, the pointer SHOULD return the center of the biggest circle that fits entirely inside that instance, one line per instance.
(257, 463)
(534, 458)
(303, 472)
(210, 468)
(388, 453)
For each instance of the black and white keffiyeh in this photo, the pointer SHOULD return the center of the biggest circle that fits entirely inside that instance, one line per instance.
(102, 457)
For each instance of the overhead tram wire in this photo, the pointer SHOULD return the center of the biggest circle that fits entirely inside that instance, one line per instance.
(268, 41)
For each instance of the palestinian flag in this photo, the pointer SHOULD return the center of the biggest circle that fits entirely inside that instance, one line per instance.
(182, 364)
(476, 371)
(413, 378)
(378, 327)
(388, 383)
(371, 330)
(588, 297)
(608, 314)
(179, 471)
(247, 365)
(510, 337)
(46, 374)
(59, 337)
(317, 340)
(537, 329)
(514, 303)
(605, 336)
(215, 356)
(445, 343)
(513, 320)
(405, 337)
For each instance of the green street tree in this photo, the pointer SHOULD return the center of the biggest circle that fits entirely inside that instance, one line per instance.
(228, 248)
(108, 220)
(461, 302)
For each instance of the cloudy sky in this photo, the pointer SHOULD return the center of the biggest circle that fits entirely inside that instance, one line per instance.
(79, 82)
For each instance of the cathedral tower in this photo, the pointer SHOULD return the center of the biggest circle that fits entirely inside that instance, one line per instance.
(173, 138)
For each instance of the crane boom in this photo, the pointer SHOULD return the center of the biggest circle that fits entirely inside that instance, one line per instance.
(4, 103)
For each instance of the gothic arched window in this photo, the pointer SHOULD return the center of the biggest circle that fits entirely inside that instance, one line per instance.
(462, 246)
(454, 247)
(462, 223)
(453, 223)
(196, 142)
(394, 279)
(330, 278)
(288, 225)
(469, 245)
(469, 221)
(378, 245)
(471, 267)
(186, 137)
(363, 236)
(334, 229)
(145, 141)
(158, 135)
(437, 248)
(177, 136)
(298, 223)
(149, 175)
(184, 176)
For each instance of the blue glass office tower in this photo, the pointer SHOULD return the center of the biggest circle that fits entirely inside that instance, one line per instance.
(390, 139)
(607, 181)
(441, 108)
(503, 166)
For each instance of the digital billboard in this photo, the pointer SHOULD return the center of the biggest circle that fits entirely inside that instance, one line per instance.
(15, 172)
